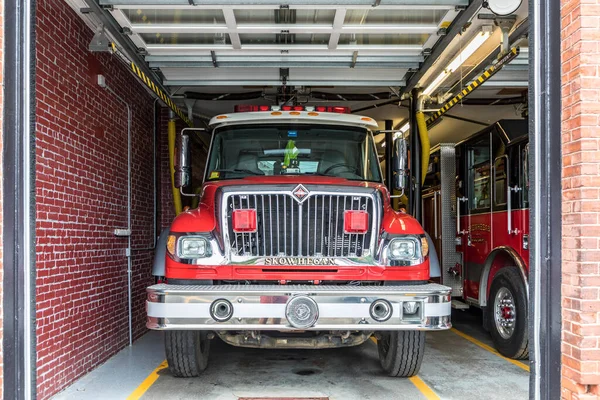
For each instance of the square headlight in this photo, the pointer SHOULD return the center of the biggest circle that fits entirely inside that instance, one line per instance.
(406, 249)
(193, 247)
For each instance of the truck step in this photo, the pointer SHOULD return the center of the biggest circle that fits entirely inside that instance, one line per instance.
(459, 305)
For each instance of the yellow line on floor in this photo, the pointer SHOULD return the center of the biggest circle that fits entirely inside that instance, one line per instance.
(419, 384)
(423, 388)
(149, 381)
(490, 349)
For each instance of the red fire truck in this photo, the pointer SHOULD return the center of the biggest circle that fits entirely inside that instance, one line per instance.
(294, 244)
(476, 209)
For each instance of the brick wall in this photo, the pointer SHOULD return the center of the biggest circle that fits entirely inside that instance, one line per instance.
(81, 197)
(166, 194)
(580, 31)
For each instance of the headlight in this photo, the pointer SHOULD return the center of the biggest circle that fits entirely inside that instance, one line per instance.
(193, 247)
(404, 249)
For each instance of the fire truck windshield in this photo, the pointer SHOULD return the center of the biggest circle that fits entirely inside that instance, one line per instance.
(293, 149)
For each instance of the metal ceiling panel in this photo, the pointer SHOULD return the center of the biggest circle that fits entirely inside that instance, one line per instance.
(277, 3)
(330, 35)
(271, 76)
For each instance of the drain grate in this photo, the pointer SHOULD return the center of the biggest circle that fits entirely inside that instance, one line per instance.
(305, 372)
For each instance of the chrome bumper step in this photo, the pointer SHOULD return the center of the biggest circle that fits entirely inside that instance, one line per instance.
(298, 307)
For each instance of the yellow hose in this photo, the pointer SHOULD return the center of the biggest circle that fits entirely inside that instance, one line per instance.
(425, 145)
(176, 195)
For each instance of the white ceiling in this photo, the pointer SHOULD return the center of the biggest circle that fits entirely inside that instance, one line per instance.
(334, 46)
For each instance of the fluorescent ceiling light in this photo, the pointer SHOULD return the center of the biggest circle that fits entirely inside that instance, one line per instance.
(463, 56)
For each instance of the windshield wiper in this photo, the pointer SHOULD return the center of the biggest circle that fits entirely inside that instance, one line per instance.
(238, 170)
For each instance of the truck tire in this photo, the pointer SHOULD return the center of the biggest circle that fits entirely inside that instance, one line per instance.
(508, 315)
(401, 352)
(187, 352)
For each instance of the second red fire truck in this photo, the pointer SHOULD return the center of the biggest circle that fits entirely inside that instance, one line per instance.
(476, 209)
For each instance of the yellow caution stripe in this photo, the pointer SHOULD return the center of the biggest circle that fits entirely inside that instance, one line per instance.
(149, 381)
(508, 57)
(490, 349)
(160, 93)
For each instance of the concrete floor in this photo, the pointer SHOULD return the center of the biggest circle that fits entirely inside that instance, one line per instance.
(453, 368)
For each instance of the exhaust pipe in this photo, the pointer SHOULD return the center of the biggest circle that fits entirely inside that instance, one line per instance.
(221, 310)
(381, 310)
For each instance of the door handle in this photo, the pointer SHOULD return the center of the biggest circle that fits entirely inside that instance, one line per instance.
(458, 200)
(435, 215)
(515, 189)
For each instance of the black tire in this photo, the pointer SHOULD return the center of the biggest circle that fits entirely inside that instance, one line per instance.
(187, 352)
(401, 352)
(512, 343)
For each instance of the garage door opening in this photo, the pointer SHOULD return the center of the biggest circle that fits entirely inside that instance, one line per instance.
(117, 80)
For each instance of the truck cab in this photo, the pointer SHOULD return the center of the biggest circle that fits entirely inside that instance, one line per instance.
(295, 244)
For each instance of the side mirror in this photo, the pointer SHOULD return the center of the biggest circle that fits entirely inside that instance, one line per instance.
(183, 175)
(400, 163)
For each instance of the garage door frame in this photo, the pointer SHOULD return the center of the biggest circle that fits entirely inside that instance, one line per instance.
(19, 203)
(18, 219)
(545, 173)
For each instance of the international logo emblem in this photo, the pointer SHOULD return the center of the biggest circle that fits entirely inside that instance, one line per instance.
(300, 193)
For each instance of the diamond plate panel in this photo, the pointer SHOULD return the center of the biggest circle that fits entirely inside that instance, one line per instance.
(448, 199)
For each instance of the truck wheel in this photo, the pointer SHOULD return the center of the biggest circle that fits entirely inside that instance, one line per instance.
(187, 352)
(507, 314)
(401, 352)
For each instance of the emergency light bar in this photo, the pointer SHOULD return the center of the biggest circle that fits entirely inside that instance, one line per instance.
(258, 108)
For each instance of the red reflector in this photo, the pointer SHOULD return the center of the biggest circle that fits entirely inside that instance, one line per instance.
(356, 221)
(332, 109)
(244, 221)
(341, 110)
(251, 108)
(292, 108)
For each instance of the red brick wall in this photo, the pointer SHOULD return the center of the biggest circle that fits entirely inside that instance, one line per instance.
(81, 196)
(166, 193)
(581, 199)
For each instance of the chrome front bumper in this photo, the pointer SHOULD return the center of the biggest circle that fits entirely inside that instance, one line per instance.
(282, 307)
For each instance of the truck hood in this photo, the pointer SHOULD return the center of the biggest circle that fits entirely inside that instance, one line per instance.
(203, 218)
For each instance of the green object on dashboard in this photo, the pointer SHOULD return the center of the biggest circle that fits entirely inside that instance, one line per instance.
(291, 153)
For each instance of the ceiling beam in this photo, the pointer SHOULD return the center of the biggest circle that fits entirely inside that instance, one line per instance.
(201, 49)
(291, 28)
(442, 44)
(266, 58)
(276, 82)
(338, 22)
(231, 24)
(283, 64)
(277, 3)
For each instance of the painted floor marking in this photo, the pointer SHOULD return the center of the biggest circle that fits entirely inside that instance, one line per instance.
(149, 381)
(423, 388)
(490, 349)
(419, 384)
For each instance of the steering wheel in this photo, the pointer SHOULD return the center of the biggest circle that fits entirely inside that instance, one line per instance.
(352, 168)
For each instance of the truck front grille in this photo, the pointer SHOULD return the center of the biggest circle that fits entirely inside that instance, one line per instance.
(314, 228)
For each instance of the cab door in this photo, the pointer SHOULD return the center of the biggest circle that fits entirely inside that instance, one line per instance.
(478, 236)
(432, 218)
